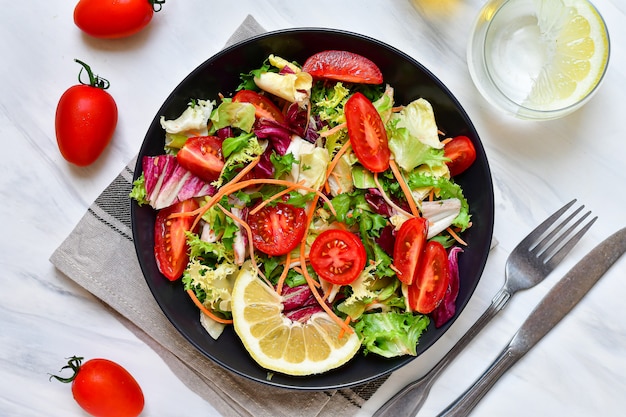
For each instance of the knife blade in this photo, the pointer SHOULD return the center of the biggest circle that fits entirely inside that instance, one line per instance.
(556, 304)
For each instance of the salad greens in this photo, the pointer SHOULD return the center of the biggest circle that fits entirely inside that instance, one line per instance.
(300, 150)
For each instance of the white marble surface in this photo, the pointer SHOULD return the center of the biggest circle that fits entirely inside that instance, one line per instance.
(579, 369)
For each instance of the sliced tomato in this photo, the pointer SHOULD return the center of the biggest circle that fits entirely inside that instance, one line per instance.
(202, 156)
(431, 280)
(343, 66)
(461, 152)
(170, 242)
(338, 256)
(264, 107)
(408, 248)
(368, 136)
(278, 229)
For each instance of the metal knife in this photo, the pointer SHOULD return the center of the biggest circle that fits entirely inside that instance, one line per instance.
(553, 307)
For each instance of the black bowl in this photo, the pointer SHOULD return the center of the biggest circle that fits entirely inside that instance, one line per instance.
(220, 74)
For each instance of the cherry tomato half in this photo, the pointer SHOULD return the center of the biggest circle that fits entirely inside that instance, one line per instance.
(368, 136)
(114, 18)
(264, 107)
(408, 248)
(170, 242)
(431, 281)
(343, 66)
(338, 256)
(85, 120)
(104, 388)
(462, 154)
(277, 230)
(202, 156)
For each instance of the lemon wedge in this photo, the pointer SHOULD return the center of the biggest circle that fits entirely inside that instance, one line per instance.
(279, 344)
(577, 49)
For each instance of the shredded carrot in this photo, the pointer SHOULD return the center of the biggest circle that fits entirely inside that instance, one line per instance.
(456, 237)
(274, 197)
(283, 275)
(231, 188)
(343, 329)
(250, 244)
(317, 296)
(404, 187)
(387, 199)
(206, 310)
(334, 163)
(446, 140)
(333, 130)
(394, 269)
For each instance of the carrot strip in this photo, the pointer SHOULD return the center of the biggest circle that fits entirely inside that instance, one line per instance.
(274, 197)
(317, 296)
(446, 140)
(334, 163)
(346, 322)
(250, 244)
(456, 237)
(205, 310)
(333, 130)
(231, 188)
(283, 275)
(404, 187)
(387, 199)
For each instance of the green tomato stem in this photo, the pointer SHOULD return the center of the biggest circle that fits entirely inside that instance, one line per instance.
(73, 364)
(157, 5)
(94, 80)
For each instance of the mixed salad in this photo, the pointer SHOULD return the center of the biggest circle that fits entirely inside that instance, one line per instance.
(342, 199)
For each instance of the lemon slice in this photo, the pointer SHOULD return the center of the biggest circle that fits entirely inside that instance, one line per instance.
(578, 51)
(279, 344)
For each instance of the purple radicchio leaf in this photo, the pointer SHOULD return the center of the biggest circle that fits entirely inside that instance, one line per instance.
(446, 309)
(377, 202)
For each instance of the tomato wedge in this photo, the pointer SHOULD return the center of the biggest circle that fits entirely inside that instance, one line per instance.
(431, 281)
(202, 156)
(278, 229)
(408, 248)
(461, 152)
(264, 107)
(343, 66)
(368, 136)
(338, 256)
(170, 242)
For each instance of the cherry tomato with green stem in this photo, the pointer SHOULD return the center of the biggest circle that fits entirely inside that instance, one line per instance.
(110, 19)
(85, 120)
(103, 388)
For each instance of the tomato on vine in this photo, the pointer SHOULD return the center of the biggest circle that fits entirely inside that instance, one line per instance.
(103, 388)
(86, 117)
(111, 19)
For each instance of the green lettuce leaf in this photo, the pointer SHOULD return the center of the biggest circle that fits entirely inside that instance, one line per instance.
(391, 334)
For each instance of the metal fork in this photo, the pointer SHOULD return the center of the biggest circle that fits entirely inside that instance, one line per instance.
(531, 262)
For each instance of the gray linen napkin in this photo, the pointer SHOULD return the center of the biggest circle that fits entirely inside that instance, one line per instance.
(99, 255)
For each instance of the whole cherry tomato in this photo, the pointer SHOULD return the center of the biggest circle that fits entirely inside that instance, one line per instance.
(114, 18)
(104, 388)
(85, 121)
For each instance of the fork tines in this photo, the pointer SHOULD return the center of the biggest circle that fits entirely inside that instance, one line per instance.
(553, 243)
